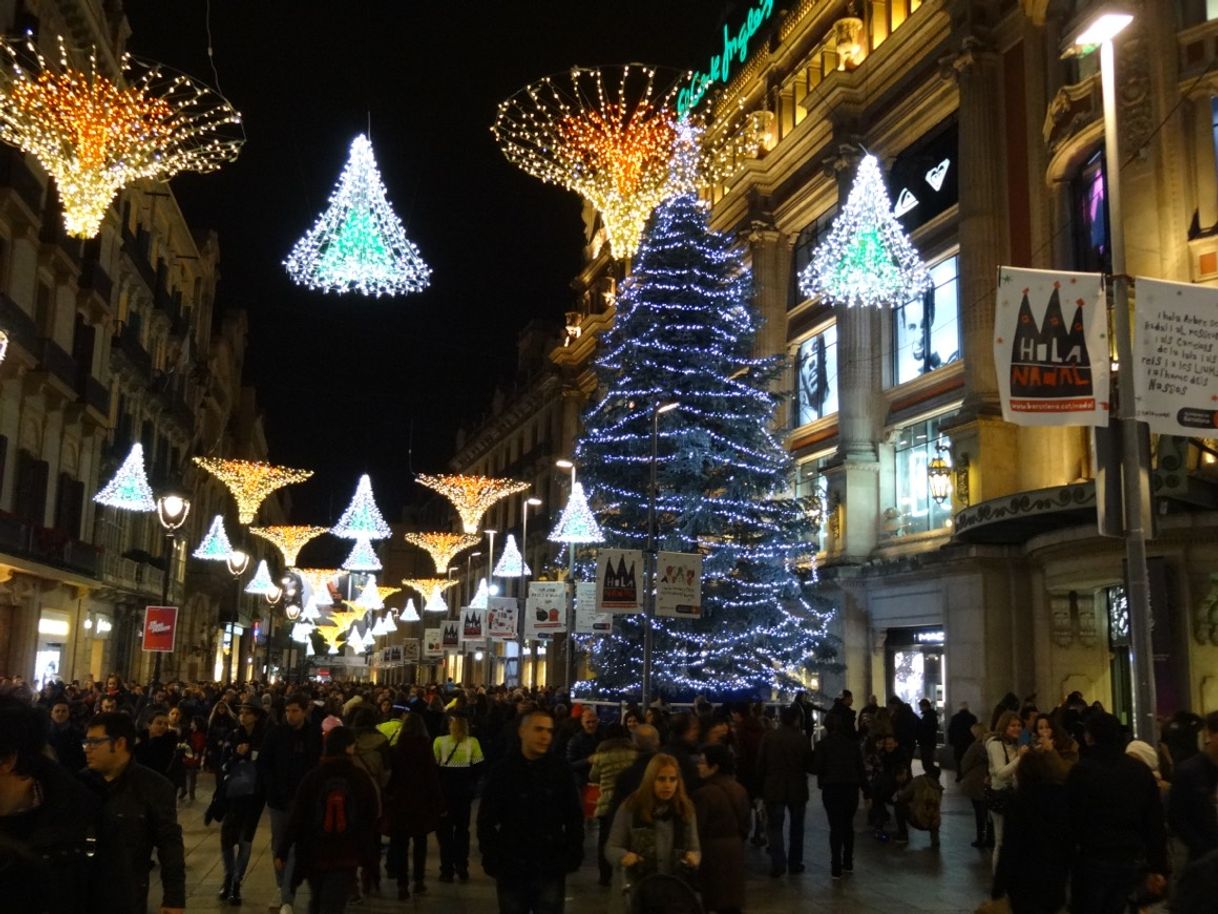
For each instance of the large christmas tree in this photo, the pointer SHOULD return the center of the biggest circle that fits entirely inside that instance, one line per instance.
(685, 331)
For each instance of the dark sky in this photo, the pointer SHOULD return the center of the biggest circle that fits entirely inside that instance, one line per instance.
(346, 383)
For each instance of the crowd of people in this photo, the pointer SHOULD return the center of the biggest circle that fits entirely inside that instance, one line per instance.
(355, 778)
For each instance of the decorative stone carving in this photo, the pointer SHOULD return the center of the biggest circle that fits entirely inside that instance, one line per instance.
(1063, 619)
(1084, 609)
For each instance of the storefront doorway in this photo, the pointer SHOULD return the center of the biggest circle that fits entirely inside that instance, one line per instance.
(916, 665)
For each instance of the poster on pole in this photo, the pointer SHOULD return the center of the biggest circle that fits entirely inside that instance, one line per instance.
(450, 634)
(679, 585)
(433, 643)
(473, 625)
(545, 611)
(619, 580)
(1051, 347)
(410, 650)
(160, 628)
(502, 618)
(1176, 356)
(587, 620)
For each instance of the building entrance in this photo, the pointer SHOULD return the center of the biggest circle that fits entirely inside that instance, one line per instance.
(916, 665)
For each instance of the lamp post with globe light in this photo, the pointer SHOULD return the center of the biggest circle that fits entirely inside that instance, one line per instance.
(171, 510)
(236, 562)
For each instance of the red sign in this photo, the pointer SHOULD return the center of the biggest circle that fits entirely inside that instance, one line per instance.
(160, 628)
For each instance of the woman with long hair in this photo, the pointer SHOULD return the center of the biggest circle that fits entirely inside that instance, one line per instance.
(459, 756)
(655, 830)
(220, 724)
(1003, 751)
(414, 801)
(1050, 737)
(242, 796)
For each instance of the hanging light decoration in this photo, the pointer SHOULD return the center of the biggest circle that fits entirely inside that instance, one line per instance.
(432, 591)
(481, 596)
(511, 564)
(472, 496)
(317, 583)
(261, 583)
(378, 629)
(356, 642)
(95, 135)
(215, 546)
(250, 481)
(939, 475)
(390, 625)
(442, 547)
(289, 540)
(577, 525)
(362, 519)
(302, 632)
(362, 558)
(385, 592)
(358, 244)
(129, 489)
(409, 612)
(369, 598)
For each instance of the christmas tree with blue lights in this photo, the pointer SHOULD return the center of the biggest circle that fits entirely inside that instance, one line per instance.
(684, 333)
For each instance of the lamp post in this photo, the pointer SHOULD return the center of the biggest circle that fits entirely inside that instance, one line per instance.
(469, 581)
(531, 502)
(1100, 30)
(172, 511)
(569, 646)
(649, 559)
(273, 598)
(237, 562)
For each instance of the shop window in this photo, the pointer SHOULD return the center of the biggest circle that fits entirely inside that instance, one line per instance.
(816, 377)
(811, 481)
(805, 246)
(915, 511)
(1091, 249)
(926, 330)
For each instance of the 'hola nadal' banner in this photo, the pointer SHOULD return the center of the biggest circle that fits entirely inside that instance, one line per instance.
(1051, 347)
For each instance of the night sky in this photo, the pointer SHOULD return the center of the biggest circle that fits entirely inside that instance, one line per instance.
(350, 384)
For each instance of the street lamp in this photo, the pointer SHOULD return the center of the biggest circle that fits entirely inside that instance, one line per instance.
(649, 559)
(237, 562)
(1100, 29)
(171, 511)
(939, 475)
(531, 502)
(469, 585)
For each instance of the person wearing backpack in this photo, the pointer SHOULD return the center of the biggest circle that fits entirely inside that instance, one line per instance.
(917, 804)
(332, 826)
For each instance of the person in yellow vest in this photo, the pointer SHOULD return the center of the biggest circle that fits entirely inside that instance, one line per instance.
(459, 756)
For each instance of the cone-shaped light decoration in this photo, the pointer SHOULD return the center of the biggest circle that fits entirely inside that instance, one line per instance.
(261, 583)
(577, 525)
(510, 564)
(355, 641)
(362, 557)
(250, 481)
(302, 632)
(481, 597)
(432, 591)
(435, 603)
(358, 244)
(289, 540)
(409, 613)
(390, 625)
(442, 547)
(472, 496)
(129, 489)
(362, 519)
(317, 584)
(310, 613)
(370, 598)
(215, 546)
(378, 629)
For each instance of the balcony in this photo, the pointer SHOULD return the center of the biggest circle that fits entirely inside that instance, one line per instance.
(19, 325)
(16, 177)
(57, 363)
(54, 236)
(136, 247)
(93, 393)
(1017, 518)
(128, 356)
(94, 278)
(48, 546)
(126, 575)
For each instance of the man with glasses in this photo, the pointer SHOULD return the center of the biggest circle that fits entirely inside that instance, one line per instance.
(143, 807)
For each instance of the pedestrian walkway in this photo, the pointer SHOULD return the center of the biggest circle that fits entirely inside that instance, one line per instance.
(887, 878)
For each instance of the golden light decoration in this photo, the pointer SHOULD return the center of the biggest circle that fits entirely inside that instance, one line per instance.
(472, 496)
(289, 540)
(443, 547)
(318, 580)
(386, 592)
(430, 588)
(250, 481)
(96, 135)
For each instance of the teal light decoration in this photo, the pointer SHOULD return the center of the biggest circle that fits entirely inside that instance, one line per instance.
(511, 563)
(215, 546)
(358, 244)
(362, 519)
(261, 583)
(362, 558)
(577, 525)
(129, 489)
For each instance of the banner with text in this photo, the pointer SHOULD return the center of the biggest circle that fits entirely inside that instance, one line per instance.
(545, 612)
(587, 620)
(433, 643)
(619, 580)
(1051, 347)
(160, 628)
(679, 585)
(1176, 356)
(502, 618)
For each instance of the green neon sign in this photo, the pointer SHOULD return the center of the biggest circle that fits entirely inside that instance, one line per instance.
(720, 68)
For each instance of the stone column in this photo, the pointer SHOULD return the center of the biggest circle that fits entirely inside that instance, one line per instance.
(771, 256)
(1205, 177)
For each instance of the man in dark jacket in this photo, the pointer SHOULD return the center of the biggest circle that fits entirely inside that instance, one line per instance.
(927, 729)
(843, 711)
(783, 763)
(960, 733)
(1191, 810)
(290, 750)
(65, 736)
(531, 823)
(581, 746)
(682, 744)
(1117, 820)
(143, 806)
(838, 764)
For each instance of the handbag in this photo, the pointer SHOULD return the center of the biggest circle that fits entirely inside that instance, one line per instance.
(997, 801)
(242, 780)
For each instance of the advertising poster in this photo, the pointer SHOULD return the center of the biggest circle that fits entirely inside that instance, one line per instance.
(679, 585)
(619, 580)
(502, 618)
(473, 624)
(410, 650)
(545, 611)
(160, 628)
(587, 620)
(450, 633)
(433, 643)
(1176, 357)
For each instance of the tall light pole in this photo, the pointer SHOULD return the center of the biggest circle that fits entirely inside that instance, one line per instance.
(469, 581)
(237, 562)
(172, 511)
(569, 646)
(1100, 30)
(531, 502)
(649, 558)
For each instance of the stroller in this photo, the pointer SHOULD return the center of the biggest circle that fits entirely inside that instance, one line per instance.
(660, 894)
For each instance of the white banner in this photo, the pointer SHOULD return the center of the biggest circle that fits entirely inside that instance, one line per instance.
(587, 620)
(433, 643)
(619, 580)
(502, 618)
(450, 634)
(1051, 347)
(1176, 356)
(410, 650)
(679, 585)
(473, 625)
(545, 611)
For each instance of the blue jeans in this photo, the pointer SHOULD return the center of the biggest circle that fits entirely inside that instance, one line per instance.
(279, 824)
(794, 854)
(531, 895)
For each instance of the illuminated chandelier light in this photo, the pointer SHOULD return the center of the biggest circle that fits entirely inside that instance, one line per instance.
(215, 546)
(261, 583)
(432, 592)
(369, 598)
(442, 547)
(362, 519)
(96, 136)
(867, 260)
(362, 558)
(481, 596)
(511, 564)
(129, 489)
(250, 481)
(472, 496)
(577, 525)
(409, 612)
(358, 244)
(289, 540)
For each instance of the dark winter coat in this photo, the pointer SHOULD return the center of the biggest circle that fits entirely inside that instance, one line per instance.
(723, 816)
(1116, 811)
(414, 799)
(845, 717)
(974, 770)
(287, 755)
(580, 748)
(960, 730)
(838, 760)
(1034, 862)
(928, 734)
(1190, 807)
(749, 733)
(66, 741)
(783, 763)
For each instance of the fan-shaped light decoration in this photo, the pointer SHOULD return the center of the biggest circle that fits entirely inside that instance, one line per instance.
(129, 489)
(472, 496)
(481, 596)
(369, 598)
(302, 632)
(261, 583)
(333, 635)
(577, 525)
(358, 244)
(95, 135)
(443, 547)
(362, 519)
(409, 612)
(432, 592)
(867, 259)
(362, 558)
(385, 592)
(215, 546)
(317, 581)
(250, 481)
(289, 540)
(511, 564)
